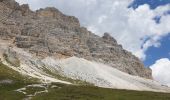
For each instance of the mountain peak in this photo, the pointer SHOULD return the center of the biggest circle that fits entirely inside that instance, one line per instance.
(108, 37)
(48, 32)
(51, 12)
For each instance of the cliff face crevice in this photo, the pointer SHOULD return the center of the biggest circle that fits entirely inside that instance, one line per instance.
(48, 32)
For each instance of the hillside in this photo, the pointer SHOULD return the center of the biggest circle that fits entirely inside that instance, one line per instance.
(47, 32)
(46, 55)
(57, 91)
(73, 70)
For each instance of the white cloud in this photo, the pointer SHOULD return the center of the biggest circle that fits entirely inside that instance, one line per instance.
(161, 71)
(128, 26)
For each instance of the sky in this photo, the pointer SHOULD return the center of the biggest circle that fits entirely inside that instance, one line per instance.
(141, 26)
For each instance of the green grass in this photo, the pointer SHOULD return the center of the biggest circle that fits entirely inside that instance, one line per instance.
(7, 92)
(17, 81)
(66, 92)
(7, 73)
(60, 77)
(32, 90)
(71, 92)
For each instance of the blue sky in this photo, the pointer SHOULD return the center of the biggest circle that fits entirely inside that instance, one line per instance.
(153, 3)
(155, 53)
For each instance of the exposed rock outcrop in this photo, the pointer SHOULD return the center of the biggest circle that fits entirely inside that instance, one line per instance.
(48, 32)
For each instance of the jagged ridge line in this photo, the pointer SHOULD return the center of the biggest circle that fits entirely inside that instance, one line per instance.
(4, 19)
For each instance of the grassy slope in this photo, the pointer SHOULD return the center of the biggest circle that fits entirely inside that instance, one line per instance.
(68, 92)
(60, 77)
(18, 81)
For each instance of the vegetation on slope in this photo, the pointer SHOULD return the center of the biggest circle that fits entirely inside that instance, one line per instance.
(11, 80)
(71, 92)
(56, 91)
(55, 74)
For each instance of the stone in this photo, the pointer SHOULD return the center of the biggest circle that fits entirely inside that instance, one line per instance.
(48, 32)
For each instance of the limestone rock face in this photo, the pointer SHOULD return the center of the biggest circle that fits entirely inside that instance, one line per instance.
(48, 32)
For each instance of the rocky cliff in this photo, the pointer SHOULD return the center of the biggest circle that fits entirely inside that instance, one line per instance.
(48, 32)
